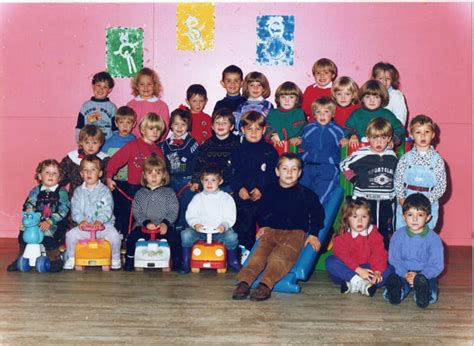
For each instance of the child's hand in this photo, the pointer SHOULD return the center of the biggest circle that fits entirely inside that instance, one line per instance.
(296, 141)
(98, 225)
(220, 228)
(376, 278)
(255, 195)
(83, 224)
(276, 140)
(194, 187)
(198, 227)
(353, 142)
(111, 184)
(343, 142)
(410, 277)
(260, 232)
(366, 274)
(151, 226)
(401, 201)
(244, 194)
(314, 242)
(163, 228)
(45, 225)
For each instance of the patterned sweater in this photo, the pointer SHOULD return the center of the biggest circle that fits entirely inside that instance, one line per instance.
(93, 204)
(99, 112)
(180, 158)
(155, 206)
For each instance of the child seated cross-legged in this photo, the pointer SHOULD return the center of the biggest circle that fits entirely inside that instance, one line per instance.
(286, 211)
(92, 205)
(155, 206)
(417, 254)
(359, 263)
(213, 209)
(53, 203)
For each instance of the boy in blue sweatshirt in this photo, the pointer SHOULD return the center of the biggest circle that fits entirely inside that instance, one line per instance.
(253, 165)
(416, 252)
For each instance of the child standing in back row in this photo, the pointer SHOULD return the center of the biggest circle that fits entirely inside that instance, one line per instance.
(346, 93)
(200, 126)
(232, 78)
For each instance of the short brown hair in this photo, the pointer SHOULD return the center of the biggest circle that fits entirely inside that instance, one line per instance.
(225, 113)
(152, 120)
(289, 156)
(91, 158)
(379, 127)
(324, 101)
(252, 117)
(327, 64)
(374, 87)
(157, 88)
(289, 88)
(126, 112)
(46, 163)
(346, 82)
(211, 169)
(91, 131)
(348, 208)
(422, 119)
(387, 67)
(256, 77)
(155, 162)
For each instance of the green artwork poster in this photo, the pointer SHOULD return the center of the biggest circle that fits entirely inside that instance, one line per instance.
(124, 49)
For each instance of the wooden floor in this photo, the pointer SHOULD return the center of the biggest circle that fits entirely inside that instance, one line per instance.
(92, 307)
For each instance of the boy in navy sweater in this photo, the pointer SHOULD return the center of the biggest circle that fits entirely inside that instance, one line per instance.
(253, 165)
(232, 78)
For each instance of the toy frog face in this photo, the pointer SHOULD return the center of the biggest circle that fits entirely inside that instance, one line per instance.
(208, 252)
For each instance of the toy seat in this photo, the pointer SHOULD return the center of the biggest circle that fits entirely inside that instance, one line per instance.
(306, 261)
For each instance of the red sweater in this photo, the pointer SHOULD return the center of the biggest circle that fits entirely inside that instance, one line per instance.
(343, 113)
(201, 127)
(312, 93)
(361, 249)
(133, 154)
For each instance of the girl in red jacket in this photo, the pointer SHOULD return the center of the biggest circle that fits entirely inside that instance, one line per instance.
(359, 263)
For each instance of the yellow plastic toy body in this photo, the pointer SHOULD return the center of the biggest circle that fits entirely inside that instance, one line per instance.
(93, 253)
(210, 256)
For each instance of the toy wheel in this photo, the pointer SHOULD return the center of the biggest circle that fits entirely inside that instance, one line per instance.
(166, 270)
(221, 270)
(79, 268)
(105, 268)
(43, 264)
(195, 270)
(23, 264)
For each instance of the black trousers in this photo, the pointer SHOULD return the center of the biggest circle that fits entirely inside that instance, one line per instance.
(246, 224)
(382, 213)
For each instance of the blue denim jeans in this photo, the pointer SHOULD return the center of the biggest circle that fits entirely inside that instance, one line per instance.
(406, 289)
(184, 198)
(339, 272)
(229, 238)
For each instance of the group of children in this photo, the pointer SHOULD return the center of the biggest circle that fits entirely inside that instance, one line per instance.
(182, 172)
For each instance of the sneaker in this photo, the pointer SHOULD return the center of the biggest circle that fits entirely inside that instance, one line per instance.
(356, 284)
(12, 266)
(242, 291)
(116, 264)
(393, 289)
(345, 287)
(367, 288)
(422, 294)
(129, 264)
(69, 263)
(262, 292)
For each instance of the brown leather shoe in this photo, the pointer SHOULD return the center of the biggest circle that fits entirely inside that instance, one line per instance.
(242, 291)
(262, 292)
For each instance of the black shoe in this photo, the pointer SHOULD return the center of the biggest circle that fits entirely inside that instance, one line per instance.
(372, 289)
(422, 291)
(56, 266)
(129, 265)
(262, 292)
(344, 287)
(12, 267)
(242, 291)
(394, 289)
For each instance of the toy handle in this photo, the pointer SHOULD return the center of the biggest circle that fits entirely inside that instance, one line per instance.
(152, 233)
(93, 230)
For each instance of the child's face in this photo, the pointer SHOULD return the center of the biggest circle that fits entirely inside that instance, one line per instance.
(255, 89)
(371, 102)
(49, 176)
(124, 125)
(211, 182)
(101, 90)
(179, 127)
(343, 97)
(91, 173)
(323, 115)
(154, 177)
(151, 135)
(90, 145)
(253, 133)
(416, 219)
(323, 77)
(288, 173)
(287, 102)
(232, 83)
(146, 87)
(422, 135)
(222, 127)
(378, 143)
(359, 220)
(385, 78)
(196, 103)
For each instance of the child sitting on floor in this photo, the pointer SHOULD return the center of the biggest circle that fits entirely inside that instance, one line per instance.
(286, 212)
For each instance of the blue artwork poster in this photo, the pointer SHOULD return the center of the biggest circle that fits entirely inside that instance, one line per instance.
(275, 40)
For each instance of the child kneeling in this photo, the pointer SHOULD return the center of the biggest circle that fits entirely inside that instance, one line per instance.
(213, 209)
(92, 205)
(359, 263)
(286, 211)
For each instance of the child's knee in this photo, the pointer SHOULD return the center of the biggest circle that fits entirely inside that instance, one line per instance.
(187, 237)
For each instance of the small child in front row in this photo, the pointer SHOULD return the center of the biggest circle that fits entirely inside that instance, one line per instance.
(346, 93)
(421, 170)
(98, 110)
(232, 78)
(155, 206)
(213, 209)
(125, 120)
(52, 201)
(196, 98)
(146, 88)
(372, 170)
(92, 205)
(359, 263)
(253, 165)
(256, 89)
(286, 123)
(180, 151)
(321, 150)
(417, 254)
(286, 212)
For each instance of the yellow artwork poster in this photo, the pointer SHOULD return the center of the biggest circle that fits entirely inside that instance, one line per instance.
(195, 26)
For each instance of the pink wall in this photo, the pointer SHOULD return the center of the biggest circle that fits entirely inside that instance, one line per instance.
(49, 53)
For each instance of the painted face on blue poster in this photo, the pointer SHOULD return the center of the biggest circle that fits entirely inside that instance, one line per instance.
(275, 40)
